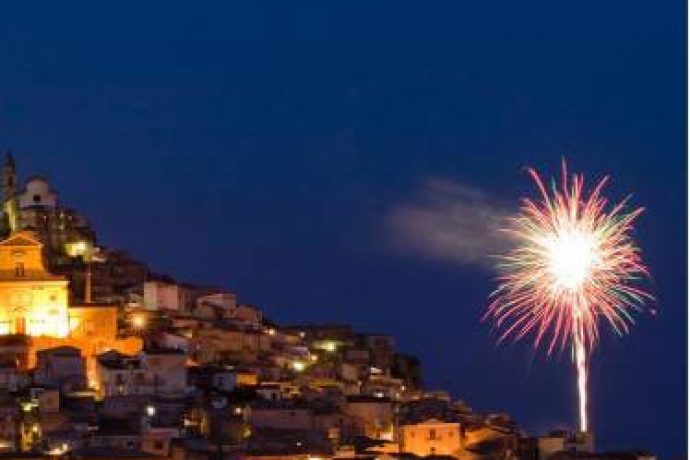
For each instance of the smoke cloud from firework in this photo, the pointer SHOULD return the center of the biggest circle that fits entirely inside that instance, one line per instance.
(449, 222)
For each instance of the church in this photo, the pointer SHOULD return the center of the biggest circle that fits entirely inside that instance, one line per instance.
(36, 207)
(69, 242)
(34, 301)
(35, 304)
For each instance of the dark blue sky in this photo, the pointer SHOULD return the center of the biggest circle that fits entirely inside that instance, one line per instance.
(262, 147)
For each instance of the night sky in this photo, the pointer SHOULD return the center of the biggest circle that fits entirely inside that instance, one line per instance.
(281, 150)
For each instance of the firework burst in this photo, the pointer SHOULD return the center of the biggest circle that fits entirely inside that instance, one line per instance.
(573, 263)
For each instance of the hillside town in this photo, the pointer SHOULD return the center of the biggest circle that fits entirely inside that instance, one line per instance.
(100, 357)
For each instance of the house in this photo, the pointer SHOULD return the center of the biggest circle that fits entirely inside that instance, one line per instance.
(215, 305)
(383, 386)
(178, 340)
(382, 348)
(431, 437)
(245, 315)
(15, 351)
(162, 295)
(62, 366)
(117, 434)
(281, 415)
(119, 374)
(122, 406)
(167, 369)
(154, 371)
(557, 441)
(11, 377)
(371, 417)
(227, 343)
(287, 444)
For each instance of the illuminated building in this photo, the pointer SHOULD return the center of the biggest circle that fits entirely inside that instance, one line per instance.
(34, 305)
(34, 300)
(431, 437)
(36, 207)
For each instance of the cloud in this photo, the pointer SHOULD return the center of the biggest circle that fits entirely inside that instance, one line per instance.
(450, 222)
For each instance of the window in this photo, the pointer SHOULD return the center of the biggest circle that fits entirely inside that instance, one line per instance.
(158, 445)
(432, 434)
(37, 198)
(19, 269)
(37, 327)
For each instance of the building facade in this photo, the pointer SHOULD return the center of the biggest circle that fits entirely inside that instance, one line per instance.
(431, 437)
(33, 301)
(36, 207)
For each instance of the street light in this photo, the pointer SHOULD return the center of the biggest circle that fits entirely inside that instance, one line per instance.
(138, 321)
(88, 253)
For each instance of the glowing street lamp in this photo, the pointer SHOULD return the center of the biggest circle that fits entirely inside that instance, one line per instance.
(89, 254)
(138, 321)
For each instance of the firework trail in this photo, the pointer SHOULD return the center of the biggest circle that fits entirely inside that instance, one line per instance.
(573, 264)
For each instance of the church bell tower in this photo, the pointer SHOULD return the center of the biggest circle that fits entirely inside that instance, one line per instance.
(10, 206)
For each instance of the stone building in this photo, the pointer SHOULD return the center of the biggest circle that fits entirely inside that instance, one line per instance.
(34, 300)
(62, 367)
(431, 437)
(36, 207)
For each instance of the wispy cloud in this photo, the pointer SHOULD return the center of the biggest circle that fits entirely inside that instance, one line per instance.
(450, 222)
